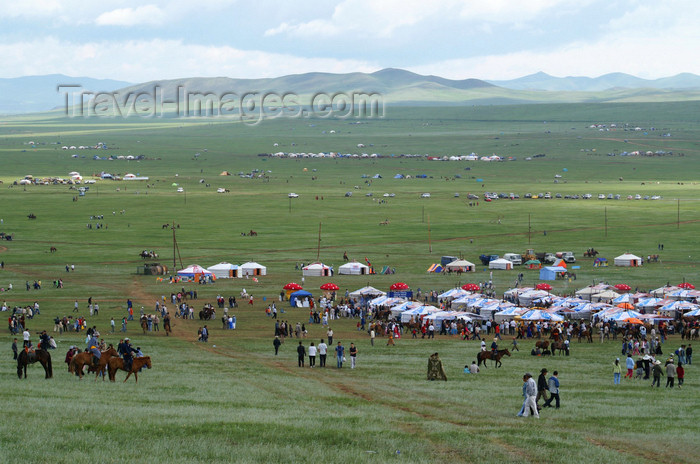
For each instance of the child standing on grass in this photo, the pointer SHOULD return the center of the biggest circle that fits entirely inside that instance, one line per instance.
(680, 373)
(617, 370)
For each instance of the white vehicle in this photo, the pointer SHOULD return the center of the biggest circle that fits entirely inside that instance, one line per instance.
(293, 195)
(567, 256)
(180, 189)
(90, 181)
(514, 258)
(425, 195)
(221, 190)
(637, 197)
(601, 196)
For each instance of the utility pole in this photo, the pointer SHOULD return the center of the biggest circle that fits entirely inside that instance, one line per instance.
(678, 214)
(529, 229)
(430, 245)
(606, 222)
(318, 250)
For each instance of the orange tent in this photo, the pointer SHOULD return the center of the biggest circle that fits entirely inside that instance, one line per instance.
(625, 306)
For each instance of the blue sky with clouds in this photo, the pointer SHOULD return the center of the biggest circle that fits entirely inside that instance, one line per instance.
(488, 39)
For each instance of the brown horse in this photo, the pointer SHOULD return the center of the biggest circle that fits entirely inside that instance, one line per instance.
(30, 357)
(52, 249)
(80, 360)
(144, 324)
(543, 344)
(166, 326)
(482, 356)
(560, 345)
(587, 334)
(116, 364)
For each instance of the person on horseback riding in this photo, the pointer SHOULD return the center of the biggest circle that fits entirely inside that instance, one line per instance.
(494, 349)
(44, 341)
(128, 354)
(93, 348)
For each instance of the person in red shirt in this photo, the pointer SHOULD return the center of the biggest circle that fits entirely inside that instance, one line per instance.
(680, 373)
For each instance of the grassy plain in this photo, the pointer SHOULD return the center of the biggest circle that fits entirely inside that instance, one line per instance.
(236, 401)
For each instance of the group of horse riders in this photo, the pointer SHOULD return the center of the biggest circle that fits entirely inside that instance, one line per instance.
(124, 348)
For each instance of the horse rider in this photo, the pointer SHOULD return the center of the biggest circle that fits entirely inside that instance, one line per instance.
(127, 354)
(93, 346)
(483, 345)
(494, 349)
(44, 342)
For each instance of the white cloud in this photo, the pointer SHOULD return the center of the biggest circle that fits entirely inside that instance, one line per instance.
(382, 18)
(146, 14)
(144, 60)
(30, 8)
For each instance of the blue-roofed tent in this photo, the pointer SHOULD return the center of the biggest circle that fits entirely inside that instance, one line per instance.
(550, 272)
(298, 295)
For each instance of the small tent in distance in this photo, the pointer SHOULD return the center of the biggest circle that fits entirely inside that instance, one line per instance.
(501, 264)
(195, 271)
(629, 260)
(460, 265)
(551, 272)
(316, 270)
(252, 268)
(224, 270)
(353, 268)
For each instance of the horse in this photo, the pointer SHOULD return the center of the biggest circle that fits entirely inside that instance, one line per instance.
(144, 324)
(384, 222)
(560, 345)
(166, 327)
(52, 249)
(30, 357)
(115, 364)
(345, 256)
(31, 216)
(543, 344)
(80, 360)
(253, 233)
(587, 334)
(482, 356)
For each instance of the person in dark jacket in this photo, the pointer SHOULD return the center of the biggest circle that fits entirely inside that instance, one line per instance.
(301, 351)
(541, 386)
(276, 343)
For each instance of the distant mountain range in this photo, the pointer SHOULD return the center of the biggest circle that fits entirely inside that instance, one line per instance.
(396, 86)
(29, 94)
(613, 81)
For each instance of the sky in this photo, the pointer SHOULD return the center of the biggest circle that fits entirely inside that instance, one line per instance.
(138, 41)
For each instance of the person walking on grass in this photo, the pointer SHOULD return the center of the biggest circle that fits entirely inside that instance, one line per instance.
(340, 355)
(276, 343)
(353, 355)
(542, 386)
(680, 373)
(670, 374)
(301, 351)
(322, 352)
(530, 396)
(656, 372)
(312, 355)
(617, 371)
(553, 385)
(629, 363)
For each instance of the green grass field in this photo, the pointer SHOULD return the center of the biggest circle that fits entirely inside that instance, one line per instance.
(237, 401)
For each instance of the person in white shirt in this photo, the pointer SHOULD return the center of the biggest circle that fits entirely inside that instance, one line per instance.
(25, 336)
(312, 355)
(322, 350)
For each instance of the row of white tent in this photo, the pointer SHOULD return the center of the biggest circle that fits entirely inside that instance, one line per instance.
(468, 306)
(224, 270)
(322, 270)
